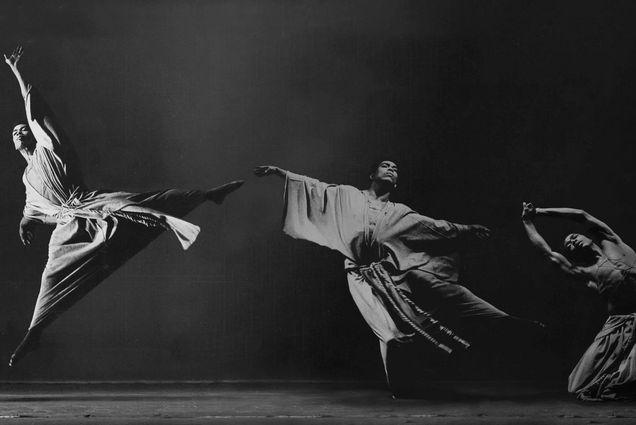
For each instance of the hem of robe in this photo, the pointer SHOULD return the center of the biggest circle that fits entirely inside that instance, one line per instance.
(185, 231)
(607, 369)
(100, 258)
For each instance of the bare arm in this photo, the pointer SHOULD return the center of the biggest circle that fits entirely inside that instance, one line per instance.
(267, 170)
(12, 61)
(45, 128)
(527, 217)
(600, 228)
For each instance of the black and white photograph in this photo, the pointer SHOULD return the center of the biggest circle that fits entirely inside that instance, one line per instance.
(317, 212)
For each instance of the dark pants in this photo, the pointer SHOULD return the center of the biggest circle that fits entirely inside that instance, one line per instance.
(496, 337)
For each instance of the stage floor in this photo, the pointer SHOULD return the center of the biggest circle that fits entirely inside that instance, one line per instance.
(298, 403)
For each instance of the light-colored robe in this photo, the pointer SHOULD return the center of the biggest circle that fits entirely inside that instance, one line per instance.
(95, 231)
(413, 249)
(607, 369)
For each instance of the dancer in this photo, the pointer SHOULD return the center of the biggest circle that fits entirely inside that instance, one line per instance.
(95, 231)
(401, 266)
(603, 262)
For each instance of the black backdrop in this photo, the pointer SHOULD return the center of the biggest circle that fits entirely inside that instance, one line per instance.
(482, 104)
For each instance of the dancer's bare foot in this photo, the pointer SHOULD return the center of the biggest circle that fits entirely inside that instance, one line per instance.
(30, 342)
(218, 194)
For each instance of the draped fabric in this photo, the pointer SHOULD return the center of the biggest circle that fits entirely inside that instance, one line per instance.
(408, 254)
(607, 370)
(400, 304)
(95, 231)
(336, 216)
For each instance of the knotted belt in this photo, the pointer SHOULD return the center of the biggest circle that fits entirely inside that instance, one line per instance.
(398, 302)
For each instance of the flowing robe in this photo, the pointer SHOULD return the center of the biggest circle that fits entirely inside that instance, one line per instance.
(95, 231)
(607, 369)
(415, 251)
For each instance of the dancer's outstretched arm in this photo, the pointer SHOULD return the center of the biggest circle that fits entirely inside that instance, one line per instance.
(12, 61)
(527, 216)
(453, 230)
(269, 170)
(597, 226)
(478, 231)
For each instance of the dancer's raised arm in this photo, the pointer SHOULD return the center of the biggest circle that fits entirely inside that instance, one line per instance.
(527, 216)
(41, 121)
(597, 227)
(12, 61)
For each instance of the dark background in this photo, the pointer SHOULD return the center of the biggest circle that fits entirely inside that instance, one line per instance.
(483, 104)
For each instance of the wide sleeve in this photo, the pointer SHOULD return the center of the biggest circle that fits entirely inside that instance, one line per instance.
(33, 214)
(438, 228)
(413, 241)
(42, 122)
(317, 212)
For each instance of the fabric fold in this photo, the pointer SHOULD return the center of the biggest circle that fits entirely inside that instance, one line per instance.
(607, 369)
(391, 260)
(95, 231)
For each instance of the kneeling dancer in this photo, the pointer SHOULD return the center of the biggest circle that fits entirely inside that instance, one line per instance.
(603, 262)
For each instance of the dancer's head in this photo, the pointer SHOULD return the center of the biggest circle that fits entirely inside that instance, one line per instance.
(580, 249)
(23, 138)
(384, 173)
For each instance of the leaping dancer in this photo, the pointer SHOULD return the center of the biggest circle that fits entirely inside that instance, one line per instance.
(95, 231)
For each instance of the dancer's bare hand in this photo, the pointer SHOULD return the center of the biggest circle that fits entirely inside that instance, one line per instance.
(266, 170)
(14, 58)
(26, 231)
(480, 232)
(529, 211)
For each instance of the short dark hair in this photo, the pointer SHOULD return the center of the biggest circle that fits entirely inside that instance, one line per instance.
(374, 166)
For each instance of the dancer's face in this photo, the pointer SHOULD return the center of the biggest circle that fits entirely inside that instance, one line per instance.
(387, 171)
(22, 137)
(574, 242)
